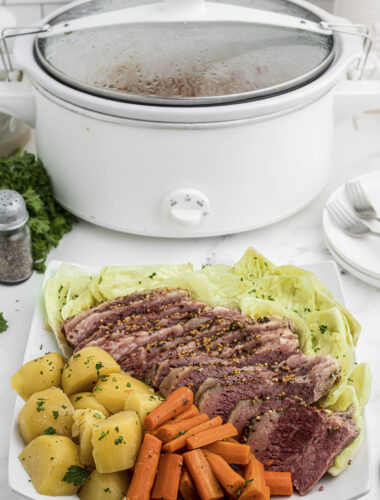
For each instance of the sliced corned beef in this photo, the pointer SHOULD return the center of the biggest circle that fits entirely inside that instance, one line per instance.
(302, 440)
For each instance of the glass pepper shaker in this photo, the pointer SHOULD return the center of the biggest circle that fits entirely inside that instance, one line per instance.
(16, 262)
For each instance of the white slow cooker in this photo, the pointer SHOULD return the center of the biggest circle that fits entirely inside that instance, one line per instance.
(186, 118)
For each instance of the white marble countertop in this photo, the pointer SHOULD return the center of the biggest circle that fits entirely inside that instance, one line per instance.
(297, 240)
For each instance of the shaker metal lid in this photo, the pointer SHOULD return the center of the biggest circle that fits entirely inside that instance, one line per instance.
(192, 61)
(13, 212)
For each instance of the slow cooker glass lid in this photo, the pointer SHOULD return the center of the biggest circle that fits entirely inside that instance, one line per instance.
(185, 62)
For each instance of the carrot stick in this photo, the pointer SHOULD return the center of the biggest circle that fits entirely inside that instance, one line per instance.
(145, 469)
(167, 432)
(231, 440)
(180, 442)
(186, 486)
(232, 452)
(280, 483)
(199, 469)
(255, 485)
(167, 480)
(179, 401)
(191, 412)
(227, 477)
(210, 436)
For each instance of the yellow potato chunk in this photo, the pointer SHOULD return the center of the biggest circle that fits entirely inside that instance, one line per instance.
(84, 368)
(116, 442)
(83, 400)
(142, 404)
(111, 486)
(83, 423)
(46, 412)
(46, 459)
(113, 390)
(39, 374)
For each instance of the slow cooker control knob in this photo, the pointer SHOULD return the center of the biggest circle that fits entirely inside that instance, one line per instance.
(188, 207)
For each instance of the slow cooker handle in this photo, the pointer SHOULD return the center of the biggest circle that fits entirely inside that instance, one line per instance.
(16, 99)
(356, 96)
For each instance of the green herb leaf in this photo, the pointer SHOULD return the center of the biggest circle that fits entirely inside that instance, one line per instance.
(76, 475)
(322, 328)
(3, 324)
(50, 431)
(48, 221)
(119, 440)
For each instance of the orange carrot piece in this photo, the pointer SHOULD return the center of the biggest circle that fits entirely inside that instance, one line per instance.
(227, 477)
(210, 436)
(232, 452)
(186, 486)
(145, 469)
(231, 440)
(180, 442)
(168, 432)
(167, 480)
(280, 483)
(191, 412)
(200, 471)
(255, 485)
(179, 401)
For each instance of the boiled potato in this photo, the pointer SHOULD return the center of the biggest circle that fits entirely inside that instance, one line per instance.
(83, 423)
(47, 459)
(46, 412)
(115, 388)
(142, 404)
(111, 486)
(39, 374)
(116, 442)
(84, 368)
(83, 400)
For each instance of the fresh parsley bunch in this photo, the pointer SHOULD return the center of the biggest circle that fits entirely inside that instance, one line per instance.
(48, 221)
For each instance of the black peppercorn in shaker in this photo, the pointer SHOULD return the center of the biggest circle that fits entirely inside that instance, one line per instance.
(16, 263)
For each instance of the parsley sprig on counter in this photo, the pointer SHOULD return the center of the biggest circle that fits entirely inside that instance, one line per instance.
(48, 221)
(3, 323)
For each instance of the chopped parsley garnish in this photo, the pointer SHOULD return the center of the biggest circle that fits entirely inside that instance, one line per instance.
(102, 435)
(76, 475)
(151, 276)
(50, 431)
(40, 404)
(119, 440)
(78, 398)
(322, 328)
(55, 414)
(97, 415)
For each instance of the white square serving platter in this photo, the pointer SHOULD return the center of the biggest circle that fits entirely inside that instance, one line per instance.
(353, 483)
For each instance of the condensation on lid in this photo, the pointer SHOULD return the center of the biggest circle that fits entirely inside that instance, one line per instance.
(185, 63)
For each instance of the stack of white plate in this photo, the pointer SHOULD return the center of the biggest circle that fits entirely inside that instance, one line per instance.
(359, 256)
